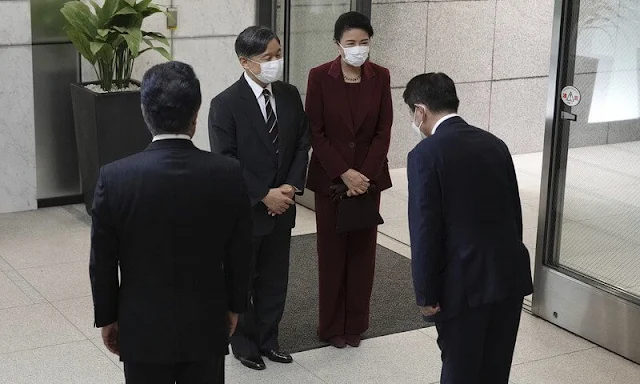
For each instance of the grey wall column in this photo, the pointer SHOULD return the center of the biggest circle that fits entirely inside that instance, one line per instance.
(17, 137)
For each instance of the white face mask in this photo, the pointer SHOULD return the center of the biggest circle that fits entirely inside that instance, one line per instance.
(356, 56)
(416, 127)
(270, 71)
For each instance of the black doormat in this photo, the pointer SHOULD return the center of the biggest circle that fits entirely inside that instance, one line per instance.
(393, 308)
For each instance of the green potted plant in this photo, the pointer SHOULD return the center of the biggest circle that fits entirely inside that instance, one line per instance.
(107, 115)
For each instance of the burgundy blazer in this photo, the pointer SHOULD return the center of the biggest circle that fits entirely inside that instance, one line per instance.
(339, 144)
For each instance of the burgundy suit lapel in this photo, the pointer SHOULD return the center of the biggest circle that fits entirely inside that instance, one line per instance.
(338, 90)
(367, 86)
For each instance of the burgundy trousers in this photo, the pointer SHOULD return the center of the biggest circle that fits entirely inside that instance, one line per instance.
(346, 266)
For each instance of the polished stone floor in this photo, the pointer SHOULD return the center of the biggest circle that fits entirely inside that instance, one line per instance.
(46, 334)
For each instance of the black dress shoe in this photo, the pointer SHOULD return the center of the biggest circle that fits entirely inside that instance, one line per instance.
(277, 356)
(253, 362)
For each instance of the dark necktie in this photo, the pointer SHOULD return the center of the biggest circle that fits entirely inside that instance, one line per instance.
(272, 119)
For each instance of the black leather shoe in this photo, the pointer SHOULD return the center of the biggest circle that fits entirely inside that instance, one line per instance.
(253, 362)
(277, 356)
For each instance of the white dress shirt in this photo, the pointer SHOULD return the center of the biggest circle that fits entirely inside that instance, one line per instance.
(257, 91)
(442, 121)
(170, 136)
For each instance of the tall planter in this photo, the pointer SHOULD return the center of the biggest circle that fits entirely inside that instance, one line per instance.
(109, 126)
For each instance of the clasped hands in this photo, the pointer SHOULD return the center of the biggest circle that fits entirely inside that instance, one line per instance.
(278, 200)
(111, 333)
(356, 182)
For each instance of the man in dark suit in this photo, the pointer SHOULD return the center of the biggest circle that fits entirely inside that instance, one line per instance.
(261, 122)
(471, 270)
(177, 221)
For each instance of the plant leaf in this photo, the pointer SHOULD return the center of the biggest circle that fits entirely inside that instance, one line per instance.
(153, 9)
(157, 36)
(96, 47)
(79, 16)
(133, 37)
(98, 10)
(126, 11)
(109, 9)
(160, 50)
(102, 51)
(141, 6)
(81, 44)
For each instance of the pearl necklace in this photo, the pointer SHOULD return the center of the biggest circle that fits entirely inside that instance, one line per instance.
(352, 79)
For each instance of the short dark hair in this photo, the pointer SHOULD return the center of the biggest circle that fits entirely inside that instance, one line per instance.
(254, 41)
(351, 20)
(436, 91)
(170, 96)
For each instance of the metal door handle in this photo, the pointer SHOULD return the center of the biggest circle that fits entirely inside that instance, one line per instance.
(568, 116)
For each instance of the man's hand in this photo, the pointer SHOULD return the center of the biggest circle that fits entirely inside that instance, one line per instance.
(356, 182)
(277, 201)
(111, 338)
(233, 323)
(288, 190)
(430, 311)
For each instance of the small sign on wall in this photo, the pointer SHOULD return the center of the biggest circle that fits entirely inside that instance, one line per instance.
(570, 96)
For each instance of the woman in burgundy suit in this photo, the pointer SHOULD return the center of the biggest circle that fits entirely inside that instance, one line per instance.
(350, 113)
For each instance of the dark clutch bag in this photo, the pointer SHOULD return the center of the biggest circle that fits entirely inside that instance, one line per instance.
(356, 212)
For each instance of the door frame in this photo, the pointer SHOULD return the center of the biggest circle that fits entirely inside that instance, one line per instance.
(266, 13)
(590, 309)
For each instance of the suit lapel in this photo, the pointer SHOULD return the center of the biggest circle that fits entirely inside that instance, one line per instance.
(252, 108)
(367, 86)
(339, 90)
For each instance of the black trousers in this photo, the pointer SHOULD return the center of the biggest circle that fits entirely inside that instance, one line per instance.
(257, 329)
(477, 345)
(205, 372)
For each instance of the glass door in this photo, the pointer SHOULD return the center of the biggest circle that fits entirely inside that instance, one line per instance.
(588, 264)
(306, 28)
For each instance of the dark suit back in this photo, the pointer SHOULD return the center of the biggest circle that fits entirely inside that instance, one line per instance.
(465, 220)
(178, 221)
(238, 129)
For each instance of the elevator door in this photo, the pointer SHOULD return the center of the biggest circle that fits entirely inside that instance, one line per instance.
(588, 277)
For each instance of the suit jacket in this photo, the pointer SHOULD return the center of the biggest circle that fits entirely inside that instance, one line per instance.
(340, 141)
(177, 221)
(238, 129)
(465, 220)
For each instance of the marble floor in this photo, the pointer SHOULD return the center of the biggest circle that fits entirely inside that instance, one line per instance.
(46, 334)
